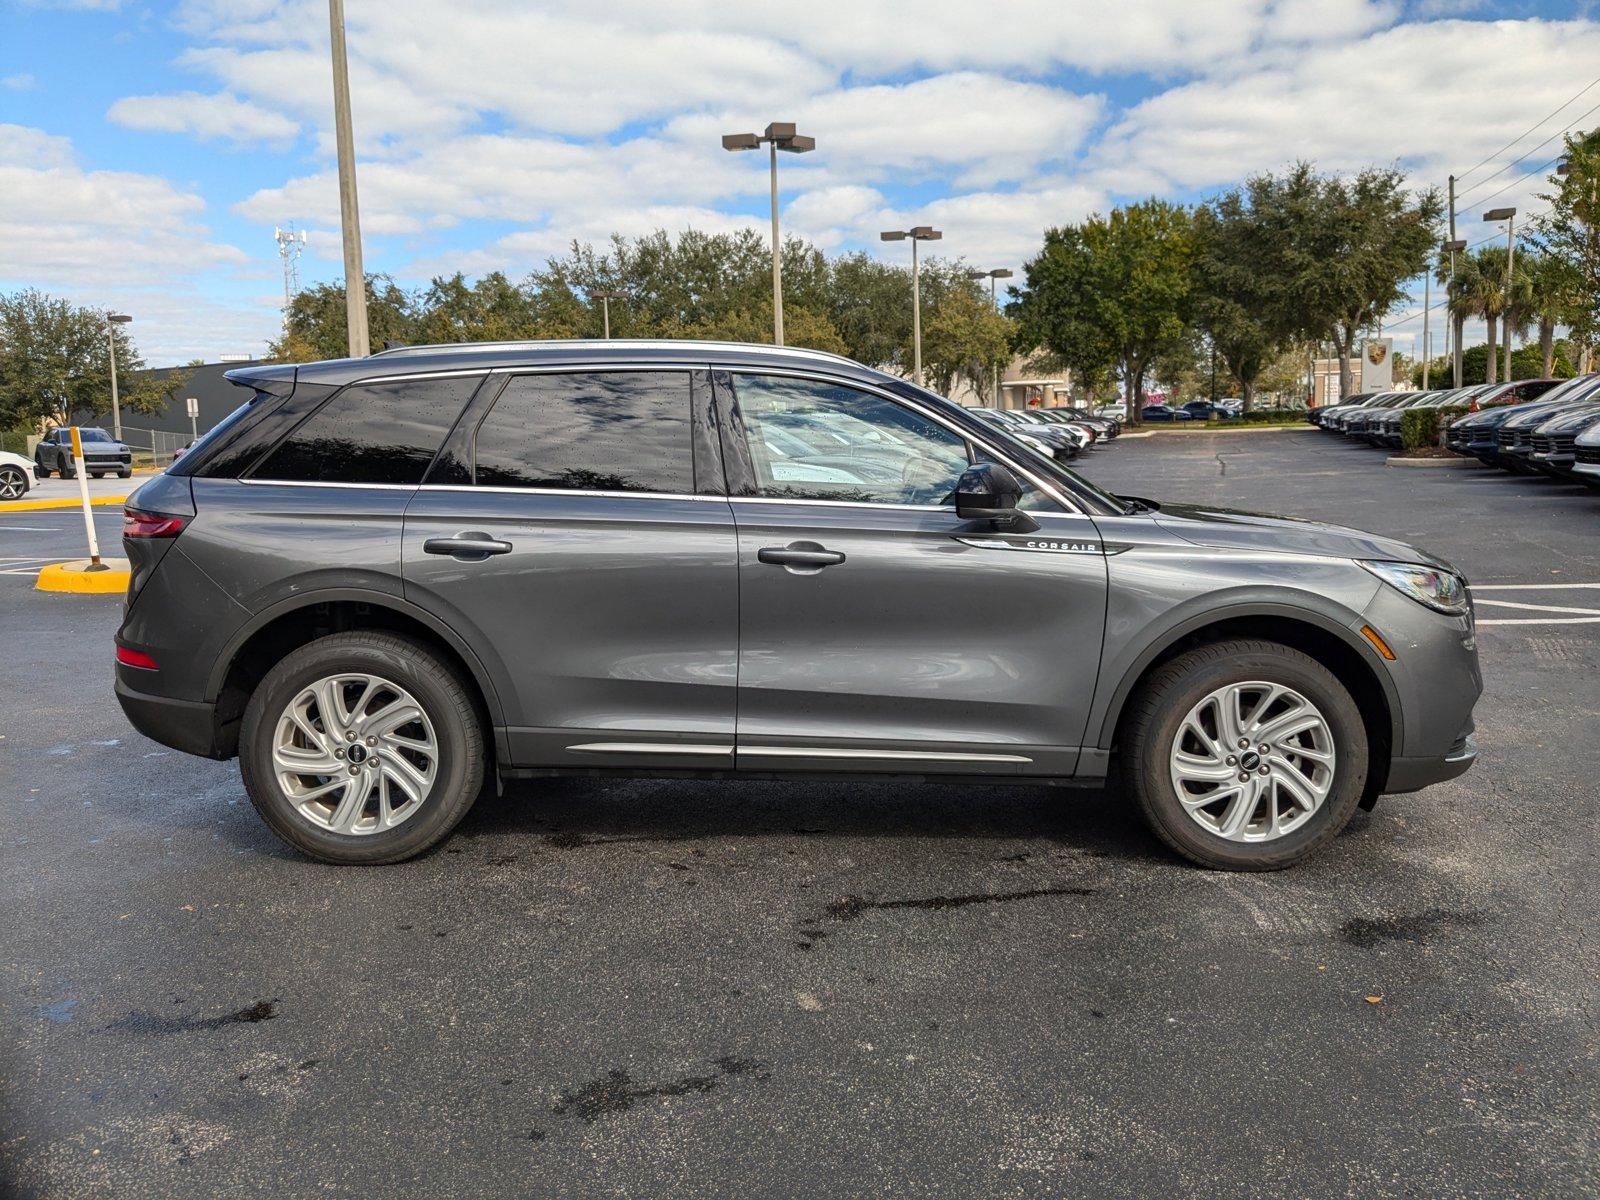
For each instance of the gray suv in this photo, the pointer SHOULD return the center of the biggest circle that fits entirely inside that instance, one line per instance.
(386, 583)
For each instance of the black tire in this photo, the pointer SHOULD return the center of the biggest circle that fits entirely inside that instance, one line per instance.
(97, 474)
(125, 474)
(1158, 710)
(14, 477)
(39, 469)
(438, 689)
(65, 469)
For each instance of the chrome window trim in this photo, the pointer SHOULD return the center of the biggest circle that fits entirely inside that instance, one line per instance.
(529, 491)
(569, 368)
(324, 483)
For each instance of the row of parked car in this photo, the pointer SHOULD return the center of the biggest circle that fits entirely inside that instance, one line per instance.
(1060, 432)
(1531, 426)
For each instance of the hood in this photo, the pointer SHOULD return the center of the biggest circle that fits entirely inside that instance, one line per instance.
(1571, 422)
(1232, 529)
(1538, 414)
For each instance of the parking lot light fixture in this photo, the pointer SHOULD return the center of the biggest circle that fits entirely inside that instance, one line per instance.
(994, 299)
(917, 233)
(780, 135)
(605, 299)
(1509, 216)
(112, 321)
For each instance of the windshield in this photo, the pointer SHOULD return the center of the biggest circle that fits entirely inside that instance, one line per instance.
(93, 435)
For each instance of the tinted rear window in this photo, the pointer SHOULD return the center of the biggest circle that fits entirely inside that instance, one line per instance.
(605, 431)
(371, 433)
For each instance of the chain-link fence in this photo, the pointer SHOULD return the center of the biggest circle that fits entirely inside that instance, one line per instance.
(153, 447)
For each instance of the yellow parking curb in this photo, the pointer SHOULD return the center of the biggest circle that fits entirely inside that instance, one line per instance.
(42, 505)
(75, 576)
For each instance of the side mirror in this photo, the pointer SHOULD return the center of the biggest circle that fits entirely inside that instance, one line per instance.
(989, 492)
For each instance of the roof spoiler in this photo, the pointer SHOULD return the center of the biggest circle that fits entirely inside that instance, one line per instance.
(275, 379)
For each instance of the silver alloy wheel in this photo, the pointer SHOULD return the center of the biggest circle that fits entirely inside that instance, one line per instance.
(13, 485)
(1252, 762)
(355, 754)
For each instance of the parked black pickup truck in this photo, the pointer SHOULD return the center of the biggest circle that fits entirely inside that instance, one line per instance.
(101, 454)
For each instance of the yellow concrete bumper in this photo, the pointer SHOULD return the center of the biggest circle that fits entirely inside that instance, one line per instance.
(76, 576)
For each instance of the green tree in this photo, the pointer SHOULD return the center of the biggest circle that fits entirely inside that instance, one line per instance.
(315, 325)
(1335, 251)
(1113, 290)
(1569, 234)
(1552, 298)
(964, 339)
(1234, 301)
(55, 363)
(1479, 290)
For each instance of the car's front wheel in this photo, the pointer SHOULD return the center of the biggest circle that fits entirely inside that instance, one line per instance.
(1245, 755)
(13, 483)
(362, 748)
(65, 469)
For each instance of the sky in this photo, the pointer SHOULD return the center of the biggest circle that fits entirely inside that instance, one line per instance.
(147, 152)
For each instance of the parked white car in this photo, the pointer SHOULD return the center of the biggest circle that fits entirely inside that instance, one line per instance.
(16, 476)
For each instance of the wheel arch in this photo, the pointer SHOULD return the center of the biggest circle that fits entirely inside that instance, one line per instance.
(275, 631)
(1339, 648)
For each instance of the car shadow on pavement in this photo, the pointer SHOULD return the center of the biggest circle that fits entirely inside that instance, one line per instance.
(573, 813)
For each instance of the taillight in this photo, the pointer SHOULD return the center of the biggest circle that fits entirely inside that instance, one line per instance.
(136, 658)
(136, 524)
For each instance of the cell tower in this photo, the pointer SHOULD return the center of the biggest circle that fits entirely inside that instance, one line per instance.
(291, 242)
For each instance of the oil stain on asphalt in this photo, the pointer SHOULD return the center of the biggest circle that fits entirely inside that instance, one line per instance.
(617, 1093)
(150, 1023)
(848, 908)
(1367, 932)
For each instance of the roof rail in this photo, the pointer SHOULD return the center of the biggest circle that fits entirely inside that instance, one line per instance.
(609, 344)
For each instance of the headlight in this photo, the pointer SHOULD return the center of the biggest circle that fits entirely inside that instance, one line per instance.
(1441, 591)
(1033, 443)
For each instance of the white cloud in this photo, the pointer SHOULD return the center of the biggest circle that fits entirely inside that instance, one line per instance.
(19, 83)
(1421, 95)
(93, 234)
(219, 117)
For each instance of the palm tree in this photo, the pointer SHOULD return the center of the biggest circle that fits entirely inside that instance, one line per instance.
(1479, 291)
(1552, 292)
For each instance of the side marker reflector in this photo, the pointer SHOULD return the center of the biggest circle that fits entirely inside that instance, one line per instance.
(1373, 636)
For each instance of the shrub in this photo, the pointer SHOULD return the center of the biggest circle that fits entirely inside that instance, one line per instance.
(1421, 427)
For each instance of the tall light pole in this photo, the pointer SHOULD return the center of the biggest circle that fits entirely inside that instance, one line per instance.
(994, 299)
(917, 233)
(112, 321)
(355, 277)
(1454, 324)
(1509, 216)
(780, 135)
(605, 299)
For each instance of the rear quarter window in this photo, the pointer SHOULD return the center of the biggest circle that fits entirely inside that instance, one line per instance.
(371, 433)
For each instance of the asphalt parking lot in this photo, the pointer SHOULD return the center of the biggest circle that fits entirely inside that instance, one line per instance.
(695, 989)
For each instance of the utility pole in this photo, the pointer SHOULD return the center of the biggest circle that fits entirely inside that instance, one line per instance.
(1455, 323)
(780, 135)
(917, 233)
(1427, 285)
(605, 299)
(112, 321)
(355, 277)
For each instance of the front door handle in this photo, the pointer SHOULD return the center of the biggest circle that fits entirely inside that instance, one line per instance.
(472, 547)
(800, 554)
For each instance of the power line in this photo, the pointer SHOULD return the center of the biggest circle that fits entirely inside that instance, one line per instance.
(1530, 129)
(1521, 157)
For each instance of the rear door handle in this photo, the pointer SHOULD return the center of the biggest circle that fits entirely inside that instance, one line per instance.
(807, 554)
(471, 546)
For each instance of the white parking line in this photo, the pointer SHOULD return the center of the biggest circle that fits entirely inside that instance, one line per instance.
(1575, 615)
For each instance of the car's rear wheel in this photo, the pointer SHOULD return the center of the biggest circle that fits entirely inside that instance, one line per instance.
(1245, 755)
(13, 483)
(362, 748)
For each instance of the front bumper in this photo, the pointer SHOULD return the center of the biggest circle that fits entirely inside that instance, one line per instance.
(1414, 774)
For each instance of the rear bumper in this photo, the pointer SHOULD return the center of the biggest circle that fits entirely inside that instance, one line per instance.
(187, 725)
